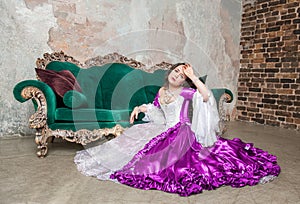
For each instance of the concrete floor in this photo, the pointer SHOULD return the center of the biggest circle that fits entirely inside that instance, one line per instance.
(24, 178)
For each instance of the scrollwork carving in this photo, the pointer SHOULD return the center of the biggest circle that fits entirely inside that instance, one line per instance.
(222, 112)
(55, 56)
(85, 136)
(111, 58)
(39, 118)
(99, 61)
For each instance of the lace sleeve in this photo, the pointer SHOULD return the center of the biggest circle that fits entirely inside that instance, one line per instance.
(154, 114)
(205, 121)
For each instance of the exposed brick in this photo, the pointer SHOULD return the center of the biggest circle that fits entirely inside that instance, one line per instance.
(282, 1)
(287, 80)
(284, 91)
(271, 95)
(283, 113)
(272, 60)
(289, 59)
(290, 5)
(241, 108)
(272, 80)
(271, 101)
(296, 32)
(272, 70)
(258, 120)
(296, 115)
(269, 80)
(284, 108)
(288, 70)
(255, 89)
(272, 123)
(242, 98)
(288, 16)
(277, 28)
(288, 103)
(287, 97)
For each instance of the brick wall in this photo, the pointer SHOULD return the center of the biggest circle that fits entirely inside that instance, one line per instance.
(269, 84)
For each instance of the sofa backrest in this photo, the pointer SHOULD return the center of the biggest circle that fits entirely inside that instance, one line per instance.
(115, 85)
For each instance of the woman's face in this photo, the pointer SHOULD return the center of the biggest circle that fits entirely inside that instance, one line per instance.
(177, 76)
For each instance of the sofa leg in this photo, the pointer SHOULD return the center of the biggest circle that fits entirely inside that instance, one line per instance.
(41, 141)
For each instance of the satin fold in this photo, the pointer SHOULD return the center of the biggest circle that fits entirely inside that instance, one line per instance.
(175, 162)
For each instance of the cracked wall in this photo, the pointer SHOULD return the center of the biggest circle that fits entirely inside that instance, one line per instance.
(203, 33)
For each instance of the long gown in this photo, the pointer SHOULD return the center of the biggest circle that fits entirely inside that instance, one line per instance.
(171, 154)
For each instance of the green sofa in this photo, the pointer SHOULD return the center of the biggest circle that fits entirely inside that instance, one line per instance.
(101, 108)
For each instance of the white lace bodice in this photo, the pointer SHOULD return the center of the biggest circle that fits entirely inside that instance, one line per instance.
(205, 115)
(172, 111)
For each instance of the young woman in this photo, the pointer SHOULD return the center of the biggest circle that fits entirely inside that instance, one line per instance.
(172, 154)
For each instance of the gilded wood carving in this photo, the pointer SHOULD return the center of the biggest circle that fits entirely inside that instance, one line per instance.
(38, 120)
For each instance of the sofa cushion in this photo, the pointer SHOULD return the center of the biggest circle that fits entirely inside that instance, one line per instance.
(88, 114)
(74, 99)
(60, 82)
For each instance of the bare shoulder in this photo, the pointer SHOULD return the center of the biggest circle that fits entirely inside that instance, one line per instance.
(161, 91)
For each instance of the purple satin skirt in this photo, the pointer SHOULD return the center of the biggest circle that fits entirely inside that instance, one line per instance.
(175, 162)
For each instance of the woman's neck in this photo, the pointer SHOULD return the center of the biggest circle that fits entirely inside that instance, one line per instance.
(173, 88)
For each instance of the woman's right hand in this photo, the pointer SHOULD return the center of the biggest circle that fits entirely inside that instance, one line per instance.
(136, 111)
(134, 114)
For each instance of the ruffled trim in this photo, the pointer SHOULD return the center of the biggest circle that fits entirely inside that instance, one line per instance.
(262, 167)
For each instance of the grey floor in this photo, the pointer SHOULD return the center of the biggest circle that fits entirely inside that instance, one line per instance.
(24, 178)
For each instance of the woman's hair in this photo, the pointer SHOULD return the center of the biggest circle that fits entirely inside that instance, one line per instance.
(188, 81)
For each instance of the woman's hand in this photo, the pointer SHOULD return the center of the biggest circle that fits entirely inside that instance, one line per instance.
(135, 113)
(188, 71)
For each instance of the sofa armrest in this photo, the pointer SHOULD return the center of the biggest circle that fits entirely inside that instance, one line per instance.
(222, 96)
(44, 100)
(222, 92)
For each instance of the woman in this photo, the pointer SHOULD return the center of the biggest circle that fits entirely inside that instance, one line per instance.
(173, 155)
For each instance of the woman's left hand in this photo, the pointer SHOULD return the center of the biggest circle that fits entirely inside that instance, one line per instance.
(188, 71)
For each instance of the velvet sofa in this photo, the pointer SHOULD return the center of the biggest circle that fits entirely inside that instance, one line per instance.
(86, 102)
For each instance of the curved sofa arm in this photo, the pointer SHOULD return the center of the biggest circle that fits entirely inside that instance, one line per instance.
(43, 98)
(222, 96)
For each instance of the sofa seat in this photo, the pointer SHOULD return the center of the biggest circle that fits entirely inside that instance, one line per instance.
(91, 115)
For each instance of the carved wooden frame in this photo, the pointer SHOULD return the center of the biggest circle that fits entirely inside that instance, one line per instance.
(38, 120)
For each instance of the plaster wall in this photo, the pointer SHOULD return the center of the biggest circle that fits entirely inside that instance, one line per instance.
(203, 33)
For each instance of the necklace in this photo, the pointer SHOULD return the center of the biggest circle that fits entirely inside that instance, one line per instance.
(169, 95)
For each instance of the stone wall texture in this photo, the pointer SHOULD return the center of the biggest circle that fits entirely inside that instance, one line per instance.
(269, 80)
(204, 33)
